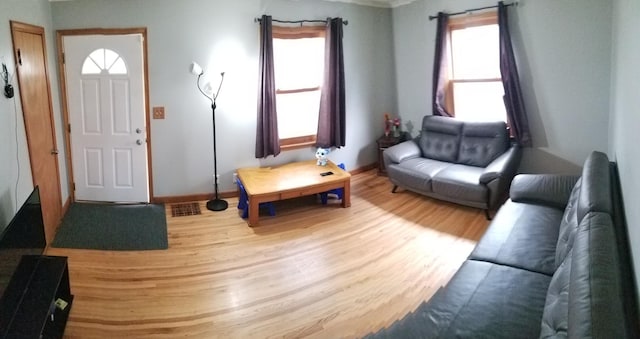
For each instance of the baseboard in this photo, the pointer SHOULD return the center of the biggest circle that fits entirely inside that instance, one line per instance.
(230, 194)
(364, 169)
(192, 197)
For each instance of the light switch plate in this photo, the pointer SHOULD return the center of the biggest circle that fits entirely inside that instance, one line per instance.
(158, 112)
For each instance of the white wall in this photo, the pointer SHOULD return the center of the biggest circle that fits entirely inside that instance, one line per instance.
(16, 155)
(563, 55)
(625, 103)
(221, 35)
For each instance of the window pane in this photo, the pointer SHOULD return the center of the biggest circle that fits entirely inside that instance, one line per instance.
(90, 67)
(479, 101)
(297, 114)
(98, 57)
(118, 67)
(476, 52)
(298, 63)
(104, 59)
(109, 58)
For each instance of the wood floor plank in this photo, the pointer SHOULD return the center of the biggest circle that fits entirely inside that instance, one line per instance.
(311, 271)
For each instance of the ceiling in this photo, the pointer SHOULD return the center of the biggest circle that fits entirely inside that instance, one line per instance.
(372, 3)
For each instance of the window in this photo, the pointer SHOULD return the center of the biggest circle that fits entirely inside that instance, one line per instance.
(104, 61)
(298, 54)
(475, 82)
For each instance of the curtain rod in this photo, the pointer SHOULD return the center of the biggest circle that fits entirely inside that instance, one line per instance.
(344, 22)
(431, 17)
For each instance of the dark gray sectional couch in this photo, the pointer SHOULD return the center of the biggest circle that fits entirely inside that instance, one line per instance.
(554, 263)
(468, 163)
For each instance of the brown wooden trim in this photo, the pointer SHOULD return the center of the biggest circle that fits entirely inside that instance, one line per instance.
(62, 83)
(63, 92)
(171, 199)
(297, 90)
(298, 32)
(365, 168)
(103, 31)
(473, 20)
(297, 142)
(464, 81)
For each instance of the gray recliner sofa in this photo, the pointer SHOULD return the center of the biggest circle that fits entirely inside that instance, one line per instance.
(554, 263)
(469, 163)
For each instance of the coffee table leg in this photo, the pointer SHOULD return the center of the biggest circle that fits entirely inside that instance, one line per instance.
(346, 199)
(254, 212)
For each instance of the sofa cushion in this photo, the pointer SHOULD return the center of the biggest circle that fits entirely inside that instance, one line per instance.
(568, 225)
(485, 300)
(460, 181)
(482, 142)
(543, 189)
(440, 138)
(555, 317)
(595, 297)
(416, 173)
(595, 193)
(521, 235)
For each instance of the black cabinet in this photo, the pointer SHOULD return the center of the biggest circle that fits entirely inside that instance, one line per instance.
(38, 299)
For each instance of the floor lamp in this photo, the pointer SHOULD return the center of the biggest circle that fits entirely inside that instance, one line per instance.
(216, 204)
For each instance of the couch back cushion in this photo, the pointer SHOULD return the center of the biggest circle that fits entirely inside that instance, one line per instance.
(595, 193)
(440, 138)
(568, 225)
(595, 298)
(482, 142)
(555, 316)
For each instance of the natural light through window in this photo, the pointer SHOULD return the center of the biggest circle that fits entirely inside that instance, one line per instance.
(104, 61)
(299, 66)
(476, 83)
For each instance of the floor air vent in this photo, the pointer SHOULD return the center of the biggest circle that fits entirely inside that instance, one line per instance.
(181, 210)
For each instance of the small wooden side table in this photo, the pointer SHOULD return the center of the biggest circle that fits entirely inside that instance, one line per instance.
(385, 142)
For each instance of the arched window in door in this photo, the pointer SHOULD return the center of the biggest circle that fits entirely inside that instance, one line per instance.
(104, 61)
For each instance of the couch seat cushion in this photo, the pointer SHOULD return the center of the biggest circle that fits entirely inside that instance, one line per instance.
(416, 173)
(522, 235)
(485, 300)
(460, 181)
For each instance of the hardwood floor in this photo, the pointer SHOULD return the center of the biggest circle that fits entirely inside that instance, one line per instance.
(310, 271)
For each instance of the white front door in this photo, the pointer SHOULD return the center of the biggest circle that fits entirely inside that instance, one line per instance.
(105, 92)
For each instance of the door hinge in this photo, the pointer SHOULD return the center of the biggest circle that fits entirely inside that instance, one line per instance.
(69, 128)
(73, 184)
(63, 59)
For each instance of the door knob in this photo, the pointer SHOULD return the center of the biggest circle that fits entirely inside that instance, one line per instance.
(54, 151)
(139, 131)
(139, 142)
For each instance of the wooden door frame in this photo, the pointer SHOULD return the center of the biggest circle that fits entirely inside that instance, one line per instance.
(38, 30)
(60, 34)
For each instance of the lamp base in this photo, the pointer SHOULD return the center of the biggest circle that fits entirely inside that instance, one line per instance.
(217, 205)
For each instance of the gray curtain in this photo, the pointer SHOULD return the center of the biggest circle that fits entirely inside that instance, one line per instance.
(332, 115)
(440, 64)
(267, 139)
(513, 100)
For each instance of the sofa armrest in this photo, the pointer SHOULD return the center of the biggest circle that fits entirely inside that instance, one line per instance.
(546, 189)
(401, 152)
(498, 174)
(504, 166)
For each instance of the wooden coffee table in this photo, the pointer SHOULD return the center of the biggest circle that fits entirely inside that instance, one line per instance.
(290, 181)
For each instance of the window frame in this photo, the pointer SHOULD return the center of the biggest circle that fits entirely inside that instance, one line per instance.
(298, 32)
(462, 22)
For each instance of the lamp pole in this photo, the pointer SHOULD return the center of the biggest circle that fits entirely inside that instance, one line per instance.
(216, 204)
